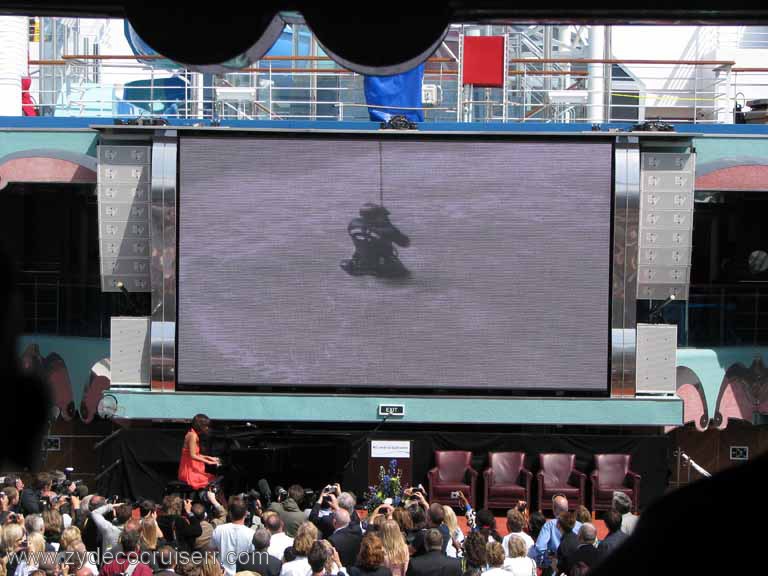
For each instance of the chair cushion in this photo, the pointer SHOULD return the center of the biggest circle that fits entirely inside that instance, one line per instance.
(567, 491)
(506, 490)
(607, 493)
(445, 489)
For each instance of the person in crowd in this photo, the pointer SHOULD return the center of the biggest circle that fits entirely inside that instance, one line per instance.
(34, 523)
(333, 563)
(53, 522)
(549, 538)
(192, 464)
(623, 505)
(486, 525)
(30, 498)
(396, 555)
(289, 510)
(434, 562)
(130, 561)
(419, 523)
(234, 537)
(68, 536)
(583, 514)
(370, 559)
(109, 532)
(5, 505)
(457, 536)
(435, 518)
(345, 538)
(165, 561)
(14, 540)
(82, 560)
(306, 535)
(569, 542)
(210, 566)
(515, 524)
(403, 519)
(494, 552)
(35, 549)
(586, 552)
(150, 537)
(615, 536)
(207, 524)
(12, 501)
(174, 522)
(320, 558)
(536, 522)
(475, 554)
(88, 527)
(279, 540)
(518, 562)
(322, 512)
(260, 560)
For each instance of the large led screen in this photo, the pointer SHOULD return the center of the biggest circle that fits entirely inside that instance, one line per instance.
(355, 261)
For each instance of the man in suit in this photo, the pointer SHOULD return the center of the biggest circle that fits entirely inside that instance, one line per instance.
(615, 537)
(346, 538)
(586, 552)
(434, 562)
(260, 561)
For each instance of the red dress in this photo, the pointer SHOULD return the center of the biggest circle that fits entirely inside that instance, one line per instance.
(192, 471)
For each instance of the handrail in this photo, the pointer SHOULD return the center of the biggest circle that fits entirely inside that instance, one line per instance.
(160, 57)
(737, 70)
(694, 465)
(615, 61)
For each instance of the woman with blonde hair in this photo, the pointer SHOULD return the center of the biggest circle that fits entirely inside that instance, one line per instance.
(518, 563)
(457, 536)
(35, 548)
(149, 534)
(306, 535)
(68, 537)
(396, 556)
(210, 566)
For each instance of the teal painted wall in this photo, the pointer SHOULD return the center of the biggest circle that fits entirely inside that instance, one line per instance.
(80, 142)
(718, 150)
(343, 408)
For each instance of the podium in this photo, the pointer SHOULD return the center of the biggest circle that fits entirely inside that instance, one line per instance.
(382, 452)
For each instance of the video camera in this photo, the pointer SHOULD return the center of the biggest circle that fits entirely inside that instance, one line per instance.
(327, 491)
(252, 500)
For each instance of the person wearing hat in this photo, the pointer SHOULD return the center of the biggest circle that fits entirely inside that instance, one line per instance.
(623, 505)
(373, 236)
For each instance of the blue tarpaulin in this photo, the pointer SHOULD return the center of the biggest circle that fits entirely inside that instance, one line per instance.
(403, 90)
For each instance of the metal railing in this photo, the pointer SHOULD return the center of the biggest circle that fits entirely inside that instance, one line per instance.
(314, 88)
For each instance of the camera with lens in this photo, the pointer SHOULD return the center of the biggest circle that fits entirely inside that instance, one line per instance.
(280, 493)
(252, 500)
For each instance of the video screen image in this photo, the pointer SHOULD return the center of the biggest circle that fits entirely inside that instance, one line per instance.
(335, 261)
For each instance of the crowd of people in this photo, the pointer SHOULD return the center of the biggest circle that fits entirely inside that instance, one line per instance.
(72, 532)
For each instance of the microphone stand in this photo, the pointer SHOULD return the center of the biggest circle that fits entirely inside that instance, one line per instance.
(654, 316)
(353, 458)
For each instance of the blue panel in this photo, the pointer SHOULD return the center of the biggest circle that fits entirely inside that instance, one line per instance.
(437, 410)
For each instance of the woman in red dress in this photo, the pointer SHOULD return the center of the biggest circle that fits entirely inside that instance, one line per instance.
(192, 465)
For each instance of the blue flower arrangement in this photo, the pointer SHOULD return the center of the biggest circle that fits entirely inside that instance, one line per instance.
(389, 486)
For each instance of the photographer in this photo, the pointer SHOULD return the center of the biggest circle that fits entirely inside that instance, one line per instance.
(288, 509)
(175, 525)
(110, 531)
(31, 499)
(331, 499)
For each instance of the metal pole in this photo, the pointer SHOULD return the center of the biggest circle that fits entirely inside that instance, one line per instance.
(596, 95)
(547, 67)
(459, 85)
(504, 96)
(608, 73)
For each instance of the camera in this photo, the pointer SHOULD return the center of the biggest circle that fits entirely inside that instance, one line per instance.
(280, 493)
(455, 495)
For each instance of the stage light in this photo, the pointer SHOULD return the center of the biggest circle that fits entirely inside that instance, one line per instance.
(214, 41)
(378, 46)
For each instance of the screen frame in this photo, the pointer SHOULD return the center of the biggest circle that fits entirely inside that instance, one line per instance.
(404, 390)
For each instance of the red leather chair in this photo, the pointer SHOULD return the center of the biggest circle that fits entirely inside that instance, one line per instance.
(612, 474)
(503, 487)
(450, 475)
(558, 475)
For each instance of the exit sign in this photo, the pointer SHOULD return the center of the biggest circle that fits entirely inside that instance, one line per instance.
(391, 410)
